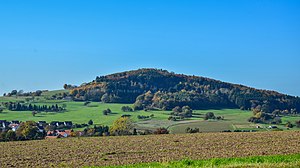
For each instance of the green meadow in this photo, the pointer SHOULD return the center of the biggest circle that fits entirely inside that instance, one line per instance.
(77, 112)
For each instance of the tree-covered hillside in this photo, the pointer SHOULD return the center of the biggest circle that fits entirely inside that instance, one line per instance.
(160, 89)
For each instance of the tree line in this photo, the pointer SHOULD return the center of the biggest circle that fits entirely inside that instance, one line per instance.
(22, 93)
(16, 106)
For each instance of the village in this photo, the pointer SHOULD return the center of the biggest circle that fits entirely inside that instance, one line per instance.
(52, 130)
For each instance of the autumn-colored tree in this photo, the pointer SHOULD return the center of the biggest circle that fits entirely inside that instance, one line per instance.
(28, 130)
(121, 126)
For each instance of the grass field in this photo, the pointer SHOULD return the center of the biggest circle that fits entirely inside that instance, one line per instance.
(78, 113)
(125, 150)
(275, 161)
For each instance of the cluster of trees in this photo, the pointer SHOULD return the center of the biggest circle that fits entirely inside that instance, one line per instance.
(106, 112)
(27, 131)
(126, 109)
(142, 117)
(16, 106)
(57, 96)
(265, 118)
(96, 131)
(179, 113)
(68, 86)
(160, 89)
(185, 111)
(211, 116)
(192, 130)
(22, 93)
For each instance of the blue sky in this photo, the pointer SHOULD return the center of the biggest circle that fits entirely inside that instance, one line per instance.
(44, 44)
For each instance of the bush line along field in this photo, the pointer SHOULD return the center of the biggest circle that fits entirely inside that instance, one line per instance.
(108, 151)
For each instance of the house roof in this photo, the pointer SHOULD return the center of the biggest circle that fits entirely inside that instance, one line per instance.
(51, 137)
(68, 132)
(13, 125)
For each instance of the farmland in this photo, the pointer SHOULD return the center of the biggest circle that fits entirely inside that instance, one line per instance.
(101, 151)
(77, 112)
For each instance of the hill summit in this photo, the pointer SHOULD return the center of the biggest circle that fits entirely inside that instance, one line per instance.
(160, 89)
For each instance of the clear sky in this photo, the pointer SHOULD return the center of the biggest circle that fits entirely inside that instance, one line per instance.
(44, 44)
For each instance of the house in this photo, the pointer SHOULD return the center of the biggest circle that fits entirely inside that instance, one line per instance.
(14, 127)
(68, 132)
(272, 127)
(4, 123)
(51, 137)
(60, 124)
(54, 135)
(57, 123)
(53, 123)
(42, 123)
(15, 122)
(59, 133)
(40, 128)
(63, 134)
(68, 123)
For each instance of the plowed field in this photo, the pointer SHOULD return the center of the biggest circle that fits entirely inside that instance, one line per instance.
(77, 152)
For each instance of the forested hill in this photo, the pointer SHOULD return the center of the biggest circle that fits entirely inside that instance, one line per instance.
(160, 89)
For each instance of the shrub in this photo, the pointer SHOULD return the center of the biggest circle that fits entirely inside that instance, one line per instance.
(11, 136)
(91, 122)
(161, 131)
(126, 109)
(86, 103)
(289, 125)
(209, 115)
(141, 117)
(298, 124)
(192, 130)
(106, 112)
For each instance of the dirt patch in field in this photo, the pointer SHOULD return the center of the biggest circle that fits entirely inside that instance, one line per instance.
(204, 126)
(77, 152)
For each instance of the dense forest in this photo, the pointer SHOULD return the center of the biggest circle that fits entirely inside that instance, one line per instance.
(160, 89)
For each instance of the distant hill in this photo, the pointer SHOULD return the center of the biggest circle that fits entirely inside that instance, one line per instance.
(160, 89)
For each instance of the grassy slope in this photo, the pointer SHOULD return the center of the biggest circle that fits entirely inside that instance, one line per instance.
(234, 119)
(78, 113)
(255, 161)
